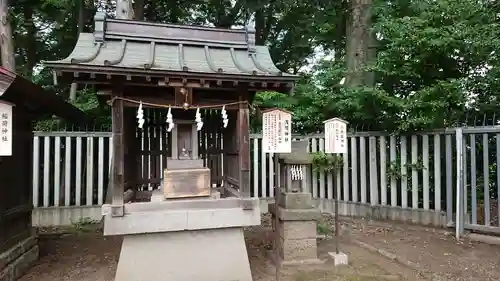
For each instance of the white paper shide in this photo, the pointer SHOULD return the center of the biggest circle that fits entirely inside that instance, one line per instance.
(277, 131)
(335, 136)
(5, 129)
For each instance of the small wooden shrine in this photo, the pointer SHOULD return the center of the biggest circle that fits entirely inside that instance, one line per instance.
(174, 70)
(180, 124)
(21, 103)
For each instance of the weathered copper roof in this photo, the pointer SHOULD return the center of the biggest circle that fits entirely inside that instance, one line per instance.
(127, 45)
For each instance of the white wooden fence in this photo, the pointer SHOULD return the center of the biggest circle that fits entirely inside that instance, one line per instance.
(411, 178)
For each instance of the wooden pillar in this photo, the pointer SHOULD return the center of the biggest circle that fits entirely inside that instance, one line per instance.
(130, 148)
(194, 142)
(174, 145)
(117, 180)
(243, 138)
(229, 148)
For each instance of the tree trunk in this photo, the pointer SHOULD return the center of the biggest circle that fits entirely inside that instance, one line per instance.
(6, 42)
(124, 9)
(139, 10)
(31, 48)
(80, 25)
(359, 43)
(340, 35)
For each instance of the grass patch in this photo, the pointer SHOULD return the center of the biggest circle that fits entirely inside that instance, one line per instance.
(323, 227)
(85, 224)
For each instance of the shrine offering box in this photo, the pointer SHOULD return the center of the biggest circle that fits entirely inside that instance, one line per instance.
(185, 183)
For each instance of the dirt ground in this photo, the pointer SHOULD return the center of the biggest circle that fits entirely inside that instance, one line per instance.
(435, 251)
(86, 255)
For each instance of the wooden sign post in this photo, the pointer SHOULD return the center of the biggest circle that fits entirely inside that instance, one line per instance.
(336, 143)
(277, 131)
(335, 136)
(276, 138)
(5, 129)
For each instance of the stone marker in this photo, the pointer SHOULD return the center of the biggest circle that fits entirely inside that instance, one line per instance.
(295, 211)
(338, 259)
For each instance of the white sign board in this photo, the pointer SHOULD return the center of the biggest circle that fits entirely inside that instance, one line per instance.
(335, 136)
(5, 129)
(277, 131)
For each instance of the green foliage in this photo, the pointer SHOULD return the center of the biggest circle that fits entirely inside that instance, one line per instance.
(436, 62)
(394, 169)
(86, 101)
(85, 224)
(323, 227)
(327, 163)
(436, 65)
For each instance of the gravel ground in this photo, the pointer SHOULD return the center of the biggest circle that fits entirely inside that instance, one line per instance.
(363, 265)
(435, 251)
(88, 256)
(85, 255)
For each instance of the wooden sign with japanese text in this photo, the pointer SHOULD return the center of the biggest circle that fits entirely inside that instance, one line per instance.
(276, 131)
(335, 136)
(5, 129)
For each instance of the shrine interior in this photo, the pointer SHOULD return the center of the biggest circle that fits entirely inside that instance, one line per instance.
(147, 150)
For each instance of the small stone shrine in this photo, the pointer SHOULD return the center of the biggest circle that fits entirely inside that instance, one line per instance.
(296, 213)
(185, 175)
(179, 98)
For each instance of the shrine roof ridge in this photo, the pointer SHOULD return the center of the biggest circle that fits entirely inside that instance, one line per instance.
(107, 28)
(144, 49)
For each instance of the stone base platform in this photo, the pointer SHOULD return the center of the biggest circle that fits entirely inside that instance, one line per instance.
(18, 259)
(181, 215)
(208, 255)
(188, 240)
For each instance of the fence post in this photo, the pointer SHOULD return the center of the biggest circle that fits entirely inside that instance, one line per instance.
(459, 222)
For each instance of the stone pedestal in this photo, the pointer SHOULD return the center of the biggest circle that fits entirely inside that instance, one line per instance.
(184, 239)
(297, 228)
(214, 254)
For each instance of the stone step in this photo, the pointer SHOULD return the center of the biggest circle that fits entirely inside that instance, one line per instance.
(158, 196)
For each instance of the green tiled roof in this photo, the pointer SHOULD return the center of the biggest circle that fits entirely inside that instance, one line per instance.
(133, 45)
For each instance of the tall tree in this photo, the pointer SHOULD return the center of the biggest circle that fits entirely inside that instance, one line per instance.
(7, 41)
(359, 44)
(80, 6)
(124, 9)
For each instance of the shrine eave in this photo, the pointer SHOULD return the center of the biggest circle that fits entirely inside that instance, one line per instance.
(19, 90)
(134, 48)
